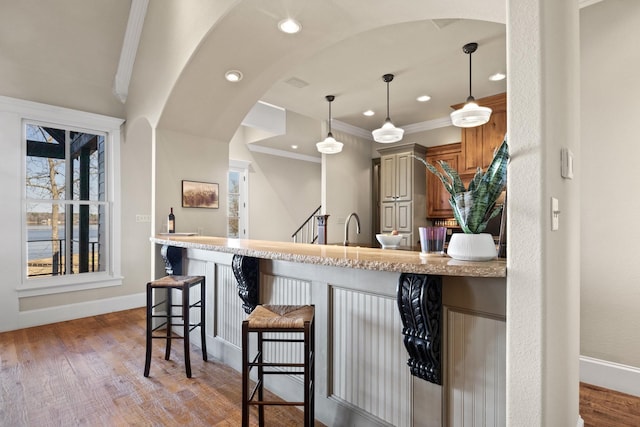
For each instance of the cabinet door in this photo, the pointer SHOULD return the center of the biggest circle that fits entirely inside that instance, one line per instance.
(404, 177)
(404, 216)
(471, 148)
(437, 196)
(396, 216)
(492, 136)
(479, 143)
(388, 178)
(438, 205)
(388, 217)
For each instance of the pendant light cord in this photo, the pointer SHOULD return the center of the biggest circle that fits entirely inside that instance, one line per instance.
(388, 118)
(329, 117)
(470, 96)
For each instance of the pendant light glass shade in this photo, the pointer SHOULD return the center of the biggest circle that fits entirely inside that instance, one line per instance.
(471, 114)
(329, 145)
(388, 133)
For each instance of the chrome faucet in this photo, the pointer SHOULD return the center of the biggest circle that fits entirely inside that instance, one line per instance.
(346, 227)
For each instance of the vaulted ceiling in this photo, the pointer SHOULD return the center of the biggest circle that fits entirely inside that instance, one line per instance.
(72, 48)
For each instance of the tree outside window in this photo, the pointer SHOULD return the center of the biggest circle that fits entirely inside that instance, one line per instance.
(66, 207)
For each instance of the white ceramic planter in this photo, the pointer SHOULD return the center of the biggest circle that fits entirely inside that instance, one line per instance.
(472, 247)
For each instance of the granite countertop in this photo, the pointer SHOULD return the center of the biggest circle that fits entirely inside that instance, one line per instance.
(340, 256)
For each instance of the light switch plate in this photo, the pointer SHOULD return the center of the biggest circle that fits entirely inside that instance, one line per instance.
(567, 163)
(143, 218)
(555, 214)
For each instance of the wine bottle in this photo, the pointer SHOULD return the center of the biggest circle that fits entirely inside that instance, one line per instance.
(171, 222)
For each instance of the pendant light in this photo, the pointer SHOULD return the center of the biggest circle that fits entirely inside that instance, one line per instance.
(388, 133)
(329, 145)
(471, 114)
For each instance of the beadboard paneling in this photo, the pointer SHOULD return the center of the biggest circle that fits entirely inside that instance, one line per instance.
(228, 307)
(369, 360)
(476, 366)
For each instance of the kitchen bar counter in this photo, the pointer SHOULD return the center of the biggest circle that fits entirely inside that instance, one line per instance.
(402, 339)
(341, 256)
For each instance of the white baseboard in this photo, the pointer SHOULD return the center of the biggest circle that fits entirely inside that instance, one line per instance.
(62, 313)
(611, 375)
(580, 422)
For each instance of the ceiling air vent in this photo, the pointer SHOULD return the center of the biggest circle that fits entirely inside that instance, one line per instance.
(296, 82)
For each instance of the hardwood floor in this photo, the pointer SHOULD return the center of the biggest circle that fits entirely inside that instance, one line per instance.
(600, 407)
(88, 372)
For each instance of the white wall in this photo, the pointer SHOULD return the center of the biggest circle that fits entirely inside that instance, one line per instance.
(543, 265)
(348, 189)
(10, 216)
(283, 191)
(610, 207)
(180, 157)
(136, 192)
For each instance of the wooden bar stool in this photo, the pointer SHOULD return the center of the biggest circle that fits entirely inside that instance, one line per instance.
(278, 318)
(184, 284)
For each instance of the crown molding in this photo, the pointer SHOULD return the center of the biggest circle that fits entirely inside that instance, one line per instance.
(351, 130)
(132, 34)
(427, 125)
(408, 129)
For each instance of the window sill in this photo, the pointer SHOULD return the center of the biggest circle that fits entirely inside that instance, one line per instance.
(56, 285)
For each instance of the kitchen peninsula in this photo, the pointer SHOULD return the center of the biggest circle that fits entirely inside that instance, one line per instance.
(452, 363)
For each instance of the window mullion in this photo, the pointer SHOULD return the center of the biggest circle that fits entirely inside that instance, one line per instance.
(68, 207)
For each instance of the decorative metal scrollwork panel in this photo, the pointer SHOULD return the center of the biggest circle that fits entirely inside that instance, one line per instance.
(420, 304)
(246, 270)
(172, 257)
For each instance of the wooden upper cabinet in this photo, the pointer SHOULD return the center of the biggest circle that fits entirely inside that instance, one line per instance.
(479, 143)
(437, 196)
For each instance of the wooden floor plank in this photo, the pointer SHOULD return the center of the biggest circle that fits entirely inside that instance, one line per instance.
(88, 372)
(600, 407)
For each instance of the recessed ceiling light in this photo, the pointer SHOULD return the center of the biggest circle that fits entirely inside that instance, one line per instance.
(368, 113)
(295, 147)
(233, 75)
(497, 77)
(289, 26)
(423, 98)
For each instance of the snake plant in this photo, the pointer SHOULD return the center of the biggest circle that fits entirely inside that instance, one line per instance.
(473, 207)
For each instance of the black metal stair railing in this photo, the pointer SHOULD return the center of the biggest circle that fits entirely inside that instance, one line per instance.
(308, 231)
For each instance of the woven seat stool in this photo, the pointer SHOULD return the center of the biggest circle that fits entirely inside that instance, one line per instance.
(298, 319)
(184, 284)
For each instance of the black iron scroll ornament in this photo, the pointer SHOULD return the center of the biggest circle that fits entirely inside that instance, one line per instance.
(246, 270)
(420, 304)
(172, 257)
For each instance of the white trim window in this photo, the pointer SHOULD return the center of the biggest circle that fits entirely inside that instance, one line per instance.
(70, 210)
(238, 205)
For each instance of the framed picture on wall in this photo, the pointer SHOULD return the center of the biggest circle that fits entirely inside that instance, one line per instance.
(196, 194)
